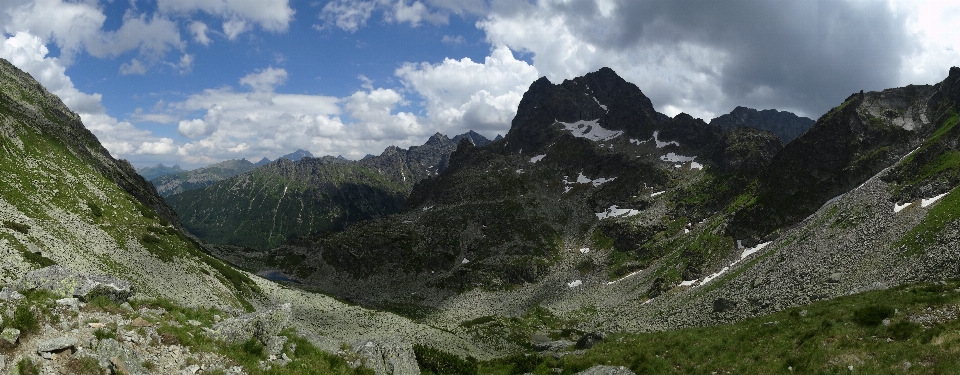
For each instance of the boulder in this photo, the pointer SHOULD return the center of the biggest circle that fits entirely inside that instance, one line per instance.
(71, 303)
(65, 282)
(606, 370)
(8, 294)
(262, 324)
(9, 336)
(274, 344)
(388, 357)
(588, 340)
(120, 359)
(552, 345)
(56, 344)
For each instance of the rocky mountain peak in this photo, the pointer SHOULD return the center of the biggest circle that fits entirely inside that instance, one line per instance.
(602, 95)
(785, 125)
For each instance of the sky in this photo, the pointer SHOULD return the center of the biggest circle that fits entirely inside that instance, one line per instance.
(195, 82)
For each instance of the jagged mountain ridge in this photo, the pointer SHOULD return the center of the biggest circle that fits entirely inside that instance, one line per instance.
(267, 206)
(150, 173)
(179, 182)
(508, 226)
(785, 125)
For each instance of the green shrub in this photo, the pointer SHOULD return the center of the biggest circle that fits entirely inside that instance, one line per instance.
(27, 367)
(22, 228)
(36, 259)
(903, 330)
(83, 366)
(872, 315)
(150, 239)
(24, 319)
(439, 362)
(101, 334)
(95, 209)
(253, 347)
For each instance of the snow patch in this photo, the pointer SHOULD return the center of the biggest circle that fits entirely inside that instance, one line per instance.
(674, 158)
(613, 211)
(574, 283)
(899, 207)
(927, 202)
(584, 250)
(662, 144)
(601, 105)
(657, 193)
(465, 261)
(623, 278)
(685, 230)
(695, 165)
(581, 179)
(637, 141)
(519, 171)
(591, 130)
(688, 282)
(537, 158)
(749, 251)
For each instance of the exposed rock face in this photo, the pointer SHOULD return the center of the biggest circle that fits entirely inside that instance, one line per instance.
(181, 181)
(68, 283)
(388, 357)
(787, 126)
(150, 173)
(269, 205)
(56, 344)
(9, 336)
(262, 325)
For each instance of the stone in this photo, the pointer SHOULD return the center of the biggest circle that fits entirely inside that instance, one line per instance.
(274, 344)
(588, 340)
(140, 322)
(261, 324)
(3, 361)
(114, 355)
(56, 344)
(388, 357)
(552, 345)
(8, 294)
(96, 325)
(834, 277)
(606, 370)
(9, 336)
(72, 303)
(194, 323)
(190, 370)
(68, 283)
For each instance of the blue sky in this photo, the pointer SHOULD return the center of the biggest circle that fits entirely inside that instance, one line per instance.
(193, 82)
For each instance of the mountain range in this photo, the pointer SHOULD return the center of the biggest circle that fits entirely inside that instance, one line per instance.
(594, 220)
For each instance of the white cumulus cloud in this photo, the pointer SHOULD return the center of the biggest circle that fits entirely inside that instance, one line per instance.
(462, 95)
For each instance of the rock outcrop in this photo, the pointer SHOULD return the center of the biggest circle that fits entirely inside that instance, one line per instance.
(68, 283)
(387, 357)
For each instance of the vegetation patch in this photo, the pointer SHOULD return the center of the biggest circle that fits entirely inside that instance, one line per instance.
(874, 332)
(22, 228)
(924, 234)
(434, 361)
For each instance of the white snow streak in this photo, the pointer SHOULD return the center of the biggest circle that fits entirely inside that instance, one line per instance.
(662, 144)
(601, 105)
(674, 158)
(899, 207)
(613, 211)
(657, 193)
(591, 130)
(574, 283)
(695, 165)
(537, 158)
(927, 202)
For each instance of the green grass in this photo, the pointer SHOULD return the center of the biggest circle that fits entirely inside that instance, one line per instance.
(22, 228)
(924, 234)
(436, 362)
(824, 337)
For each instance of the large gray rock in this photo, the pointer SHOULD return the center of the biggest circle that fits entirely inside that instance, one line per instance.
(263, 325)
(56, 344)
(8, 294)
(9, 336)
(65, 282)
(113, 355)
(388, 357)
(606, 370)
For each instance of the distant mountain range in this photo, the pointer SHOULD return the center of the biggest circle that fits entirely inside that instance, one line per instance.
(265, 206)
